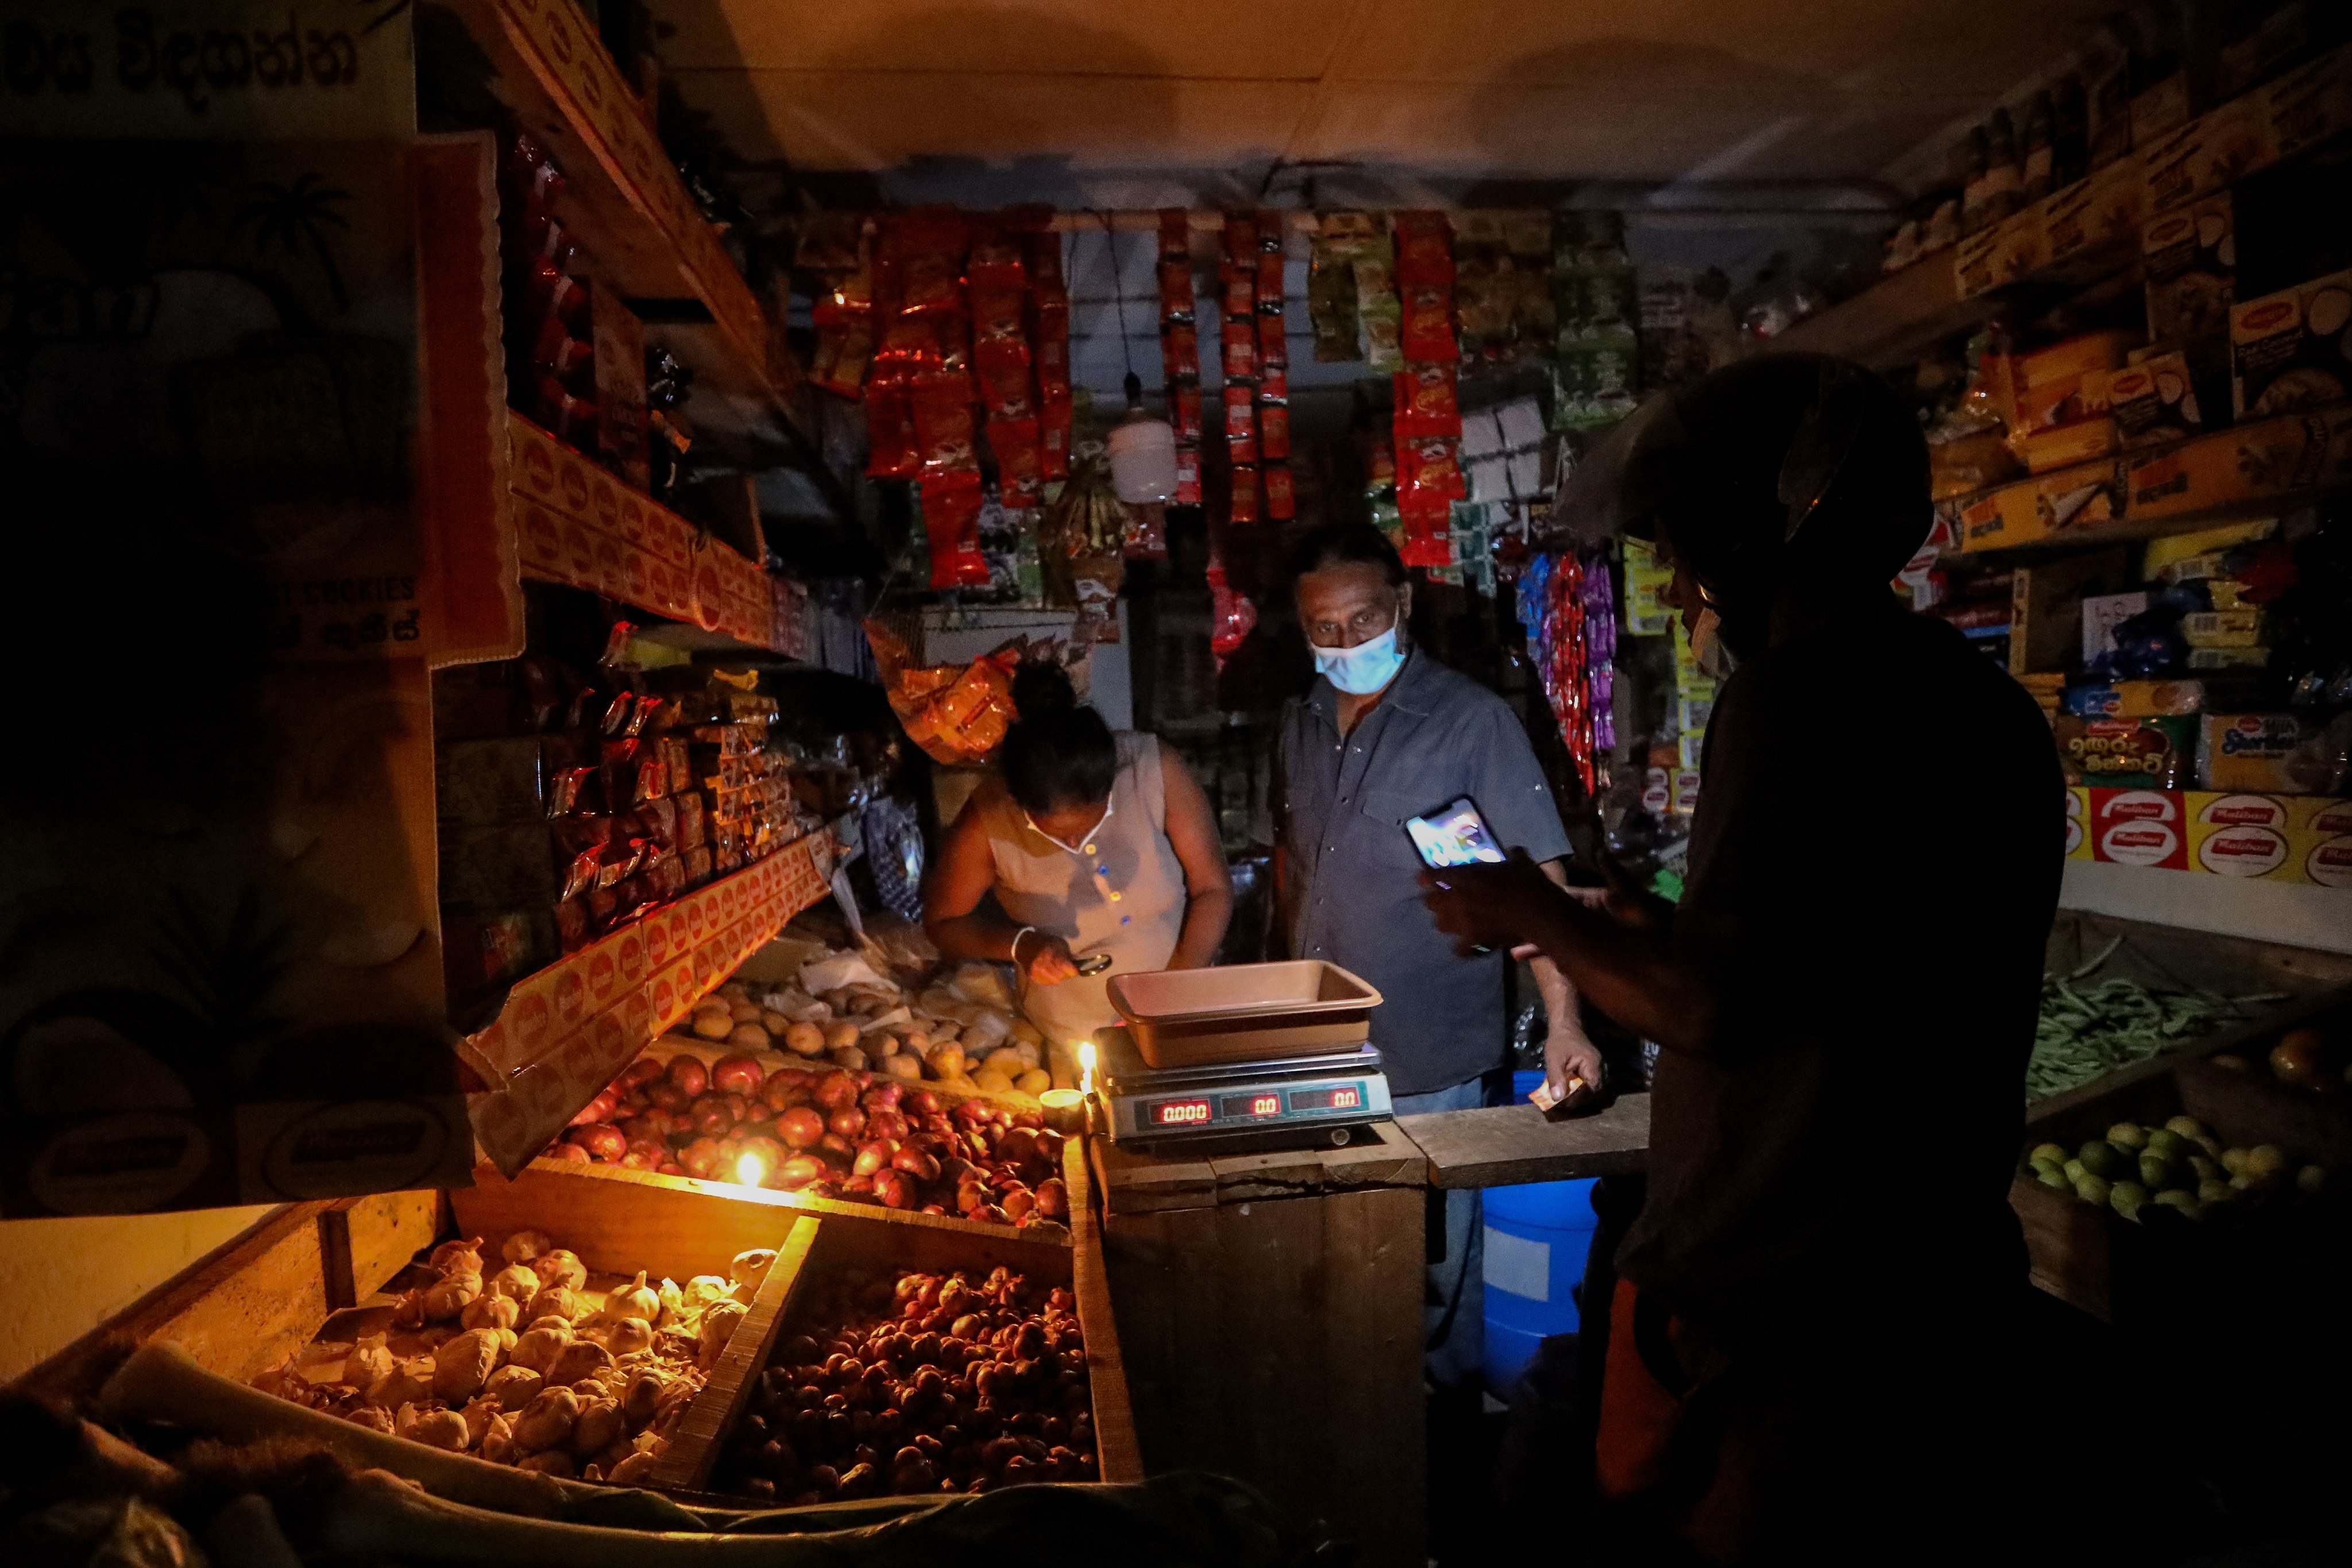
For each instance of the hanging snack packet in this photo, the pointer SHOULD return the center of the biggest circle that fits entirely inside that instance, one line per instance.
(943, 423)
(1272, 343)
(1273, 431)
(1179, 353)
(998, 259)
(951, 503)
(1241, 422)
(1281, 503)
(891, 449)
(1425, 401)
(930, 247)
(1020, 465)
(1331, 285)
(1378, 313)
(1247, 503)
(1424, 250)
(1188, 473)
(1002, 366)
(1426, 335)
(1240, 348)
(1185, 411)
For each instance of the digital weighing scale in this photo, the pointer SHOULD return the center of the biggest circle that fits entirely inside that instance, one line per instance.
(1292, 1102)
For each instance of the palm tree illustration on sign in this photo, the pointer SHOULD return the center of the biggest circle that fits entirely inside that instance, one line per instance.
(291, 217)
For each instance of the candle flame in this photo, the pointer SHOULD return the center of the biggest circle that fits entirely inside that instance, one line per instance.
(750, 1169)
(1086, 1066)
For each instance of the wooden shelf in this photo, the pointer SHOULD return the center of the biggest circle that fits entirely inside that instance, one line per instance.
(574, 524)
(631, 212)
(2257, 469)
(568, 1030)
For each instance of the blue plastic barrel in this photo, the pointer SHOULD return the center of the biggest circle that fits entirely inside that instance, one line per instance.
(1536, 1237)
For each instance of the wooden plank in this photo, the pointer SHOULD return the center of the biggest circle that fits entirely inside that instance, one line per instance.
(621, 1227)
(1139, 1182)
(1280, 1344)
(1503, 1145)
(694, 1444)
(254, 1305)
(1118, 1457)
(382, 1233)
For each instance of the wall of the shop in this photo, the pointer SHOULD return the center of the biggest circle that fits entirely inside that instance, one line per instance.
(59, 1278)
(2266, 912)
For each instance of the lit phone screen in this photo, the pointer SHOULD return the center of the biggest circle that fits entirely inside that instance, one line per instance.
(1455, 836)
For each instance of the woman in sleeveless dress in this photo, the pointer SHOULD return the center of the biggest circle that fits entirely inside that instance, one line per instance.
(1084, 843)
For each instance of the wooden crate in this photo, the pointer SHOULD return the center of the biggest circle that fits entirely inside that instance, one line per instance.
(843, 1237)
(2117, 1270)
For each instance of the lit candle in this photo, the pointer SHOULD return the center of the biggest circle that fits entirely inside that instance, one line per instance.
(750, 1169)
(1065, 1111)
(1085, 1068)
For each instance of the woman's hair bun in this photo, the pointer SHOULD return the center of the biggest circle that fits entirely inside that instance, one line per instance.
(1040, 688)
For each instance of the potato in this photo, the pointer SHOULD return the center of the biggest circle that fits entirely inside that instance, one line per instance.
(774, 1022)
(905, 1065)
(714, 1025)
(743, 1012)
(1036, 1080)
(988, 1080)
(945, 1061)
(748, 1037)
(849, 1058)
(841, 1036)
(1025, 1033)
(804, 1040)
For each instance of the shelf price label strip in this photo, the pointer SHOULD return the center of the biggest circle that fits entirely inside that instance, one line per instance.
(567, 1031)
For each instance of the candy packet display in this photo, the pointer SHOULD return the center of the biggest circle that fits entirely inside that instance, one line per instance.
(957, 713)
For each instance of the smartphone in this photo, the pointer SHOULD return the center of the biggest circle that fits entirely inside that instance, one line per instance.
(1453, 835)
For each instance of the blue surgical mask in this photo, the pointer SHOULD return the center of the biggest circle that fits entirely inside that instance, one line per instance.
(1364, 669)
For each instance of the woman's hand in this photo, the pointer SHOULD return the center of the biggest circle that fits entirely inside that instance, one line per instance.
(1047, 958)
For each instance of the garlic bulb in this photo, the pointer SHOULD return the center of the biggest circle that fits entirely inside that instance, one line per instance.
(490, 1311)
(450, 1296)
(459, 1257)
(704, 1291)
(561, 1267)
(551, 1462)
(526, 1245)
(478, 1415)
(596, 1430)
(516, 1279)
(441, 1429)
(372, 1418)
(751, 1268)
(556, 1301)
(643, 1398)
(538, 1349)
(628, 1335)
(512, 1387)
(408, 1382)
(463, 1365)
(408, 1312)
(718, 1327)
(634, 1470)
(370, 1359)
(497, 1444)
(547, 1420)
(673, 1304)
(636, 1299)
(581, 1358)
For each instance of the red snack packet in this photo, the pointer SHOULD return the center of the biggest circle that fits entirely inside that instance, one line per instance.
(1000, 313)
(1241, 348)
(930, 249)
(1426, 402)
(1176, 290)
(1046, 285)
(1180, 351)
(909, 343)
(1428, 329)
(697, 862)
(1246, 506)
(1184, 410)
(1240, 238)
(1273, 345)
(1175, 235)
(952, 522)
(1424, 250)
(1050, 351)
(943, 424)
(891, 452)
(1003, 374)
(573, 928)
(1053, 440)
(1231, 615)
(1020, 476)
(1274, 386)
(1240, 291)
(1268, 275)
(998, 261)
(1273, 432)
(1281, 503)
(656, 822)
(1188, 474)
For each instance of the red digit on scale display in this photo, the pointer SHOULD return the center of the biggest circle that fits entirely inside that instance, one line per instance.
(1180, 1112)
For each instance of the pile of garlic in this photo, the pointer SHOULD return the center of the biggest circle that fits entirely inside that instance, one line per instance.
(962, 1029)
(524, 1368)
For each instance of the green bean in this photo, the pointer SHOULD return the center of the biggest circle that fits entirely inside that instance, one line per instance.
(2087, 1031)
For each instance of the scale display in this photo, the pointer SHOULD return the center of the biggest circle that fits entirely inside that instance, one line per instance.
(1251, 1106)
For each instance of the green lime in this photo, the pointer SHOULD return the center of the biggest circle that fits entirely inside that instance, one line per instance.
(2048, 1153)
(2175, 1199)
(2189, 1126)
(2053, 1177)
(2102, 1158)
(2166, 1142)
(2091, 1190)
(2214, 1192)
(2311, 1179)
(2207, 1170)
(2234, 1161)
(2242, 1183)
(2127, 1135)
(2074, 1169)
(2126, 1197)
(2158, 1173)
(2263, 1160)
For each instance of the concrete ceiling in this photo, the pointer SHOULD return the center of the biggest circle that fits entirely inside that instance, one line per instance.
(1644, 91)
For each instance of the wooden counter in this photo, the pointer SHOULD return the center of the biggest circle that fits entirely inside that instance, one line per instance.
(1269, 1314)
(1504, 1145)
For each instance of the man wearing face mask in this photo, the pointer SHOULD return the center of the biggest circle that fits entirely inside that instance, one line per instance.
(1387, 733)
(1813, 1322)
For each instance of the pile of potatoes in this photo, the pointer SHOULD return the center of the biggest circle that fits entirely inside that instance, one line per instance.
(527, 1366)
(961, 1031)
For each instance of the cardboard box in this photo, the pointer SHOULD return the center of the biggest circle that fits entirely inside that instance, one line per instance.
(2289, 349)
(2095, 215)
(2127, 753)
(2321, 836)
(2078, 823)
(2309, 104)
(2064, 400)
(2042, 506)
(2072, 359)
(620, 364)
(2210, 153)
(1993, 257)
(2190, 256)
(2257, 752)
(2249, 463)
(2138, 827)
(2136, 699)
(2154, 402)
(2046, 607)
(2067, 446)
(2241, 835)
(2223, 628)
(1647, 613)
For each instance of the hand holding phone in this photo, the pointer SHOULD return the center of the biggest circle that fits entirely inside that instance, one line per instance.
(1453, 835)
